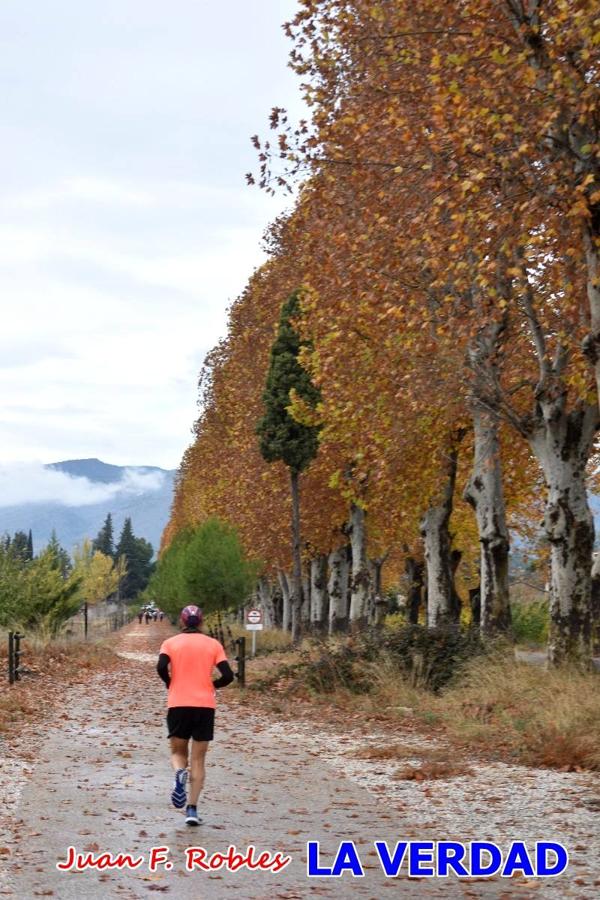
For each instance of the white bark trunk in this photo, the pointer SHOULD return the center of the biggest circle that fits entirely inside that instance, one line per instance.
(338, 590)
(361, 578)
(436, 537)
(286, 614)
(265, 593)
(485, 494)
(318, 592)
(562, 443)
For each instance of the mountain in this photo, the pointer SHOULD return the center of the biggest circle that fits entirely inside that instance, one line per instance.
(74, 497)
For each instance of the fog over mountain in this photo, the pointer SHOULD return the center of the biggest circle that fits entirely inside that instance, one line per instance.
(74, 496)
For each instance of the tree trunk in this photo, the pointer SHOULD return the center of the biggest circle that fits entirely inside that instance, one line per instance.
(436, 536)
(377, 605)
(484, 492)
(414, 576)
(596, 604)
(456, 604)
(296, 586)
(318, 592)
(265, 593)
(562, 443)
(475, 605)
(286, 610)
(377, 568)
(337, 589)
(591, 245)
(360, 581)
(306, 598)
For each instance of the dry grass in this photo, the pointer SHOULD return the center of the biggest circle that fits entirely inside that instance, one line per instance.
(501, 708)
(550, 718)
(513, 710)
(269, 640)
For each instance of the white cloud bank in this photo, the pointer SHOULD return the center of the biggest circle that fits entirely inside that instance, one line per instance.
(34, 483)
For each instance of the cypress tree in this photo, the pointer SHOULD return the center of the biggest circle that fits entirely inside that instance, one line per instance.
(30, 545)
(281, 437)
(104, 542)
(19, 546)
(60, 560)
(138, 554)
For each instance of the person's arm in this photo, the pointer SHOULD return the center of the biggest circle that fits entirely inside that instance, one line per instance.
(162, 667)
(227, 675)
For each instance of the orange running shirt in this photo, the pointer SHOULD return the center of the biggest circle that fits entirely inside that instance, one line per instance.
(193, 657)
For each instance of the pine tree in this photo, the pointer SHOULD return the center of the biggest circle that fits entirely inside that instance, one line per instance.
(30, 545)
(138, 554)
(19, 546)
(281, 436)
(104, 542)
(60, 560)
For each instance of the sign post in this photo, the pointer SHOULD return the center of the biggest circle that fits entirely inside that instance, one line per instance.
(254, 623)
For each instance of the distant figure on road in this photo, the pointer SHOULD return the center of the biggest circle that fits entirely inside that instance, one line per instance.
(186, 663)
(147, 616)
(161, 615)
(155, 615)
(140, 616)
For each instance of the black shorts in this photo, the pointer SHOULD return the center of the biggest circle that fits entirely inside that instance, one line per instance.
(197, 722)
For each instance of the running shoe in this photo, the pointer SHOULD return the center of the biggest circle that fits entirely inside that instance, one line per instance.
(178, 794)
(191, 816)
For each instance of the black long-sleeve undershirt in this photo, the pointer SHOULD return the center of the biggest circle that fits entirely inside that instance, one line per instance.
(227, 676)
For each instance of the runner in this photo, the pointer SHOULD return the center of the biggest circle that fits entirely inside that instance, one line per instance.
(185, 664)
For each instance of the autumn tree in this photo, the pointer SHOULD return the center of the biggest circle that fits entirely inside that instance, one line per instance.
(281, 436)
(431, 91)
(98, 573)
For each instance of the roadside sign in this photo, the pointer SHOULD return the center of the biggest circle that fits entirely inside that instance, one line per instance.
(254, 619)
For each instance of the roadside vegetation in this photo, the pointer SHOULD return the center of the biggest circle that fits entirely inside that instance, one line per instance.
(481, 699)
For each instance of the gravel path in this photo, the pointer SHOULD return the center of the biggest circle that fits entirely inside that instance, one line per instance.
(101, 782)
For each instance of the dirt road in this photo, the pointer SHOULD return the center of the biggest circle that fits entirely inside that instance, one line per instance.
(102, 784)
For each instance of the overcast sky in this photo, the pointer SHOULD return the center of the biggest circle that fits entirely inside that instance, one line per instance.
(126, 227)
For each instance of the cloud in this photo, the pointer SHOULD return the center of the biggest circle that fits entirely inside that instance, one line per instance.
(126, 227)
(34, 483)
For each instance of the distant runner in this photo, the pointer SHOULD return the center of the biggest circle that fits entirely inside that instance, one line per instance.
(186, 662)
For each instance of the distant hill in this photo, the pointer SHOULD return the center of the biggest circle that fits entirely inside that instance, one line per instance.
(90, 491)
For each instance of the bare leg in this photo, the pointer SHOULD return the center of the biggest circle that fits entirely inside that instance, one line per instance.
(179, 753)
(197, 766)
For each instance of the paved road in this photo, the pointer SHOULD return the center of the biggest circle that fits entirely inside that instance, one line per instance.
(102, 783)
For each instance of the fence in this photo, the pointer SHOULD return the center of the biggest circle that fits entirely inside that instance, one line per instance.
(15, 669)
(97, 621)
(224, 635)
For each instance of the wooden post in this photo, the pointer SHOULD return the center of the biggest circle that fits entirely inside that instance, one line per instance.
(11, 658)
(85, 620)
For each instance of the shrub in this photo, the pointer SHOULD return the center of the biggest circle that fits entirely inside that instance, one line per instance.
(431, 657)
(530, 620)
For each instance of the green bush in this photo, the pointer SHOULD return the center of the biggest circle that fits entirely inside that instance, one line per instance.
(206, 566)
(428, 658)
(530, 621)
(431, 657)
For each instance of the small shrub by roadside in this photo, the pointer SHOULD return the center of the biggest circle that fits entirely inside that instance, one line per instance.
(530, 621)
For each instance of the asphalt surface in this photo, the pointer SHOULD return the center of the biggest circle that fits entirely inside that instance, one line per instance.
(102, 784)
